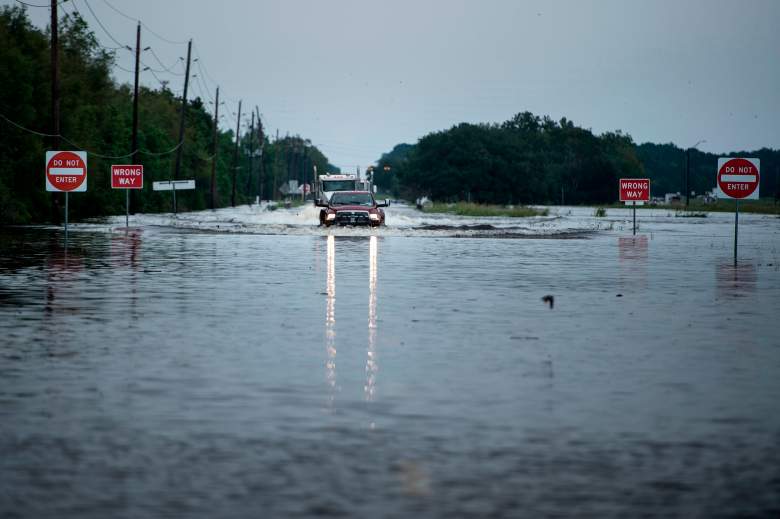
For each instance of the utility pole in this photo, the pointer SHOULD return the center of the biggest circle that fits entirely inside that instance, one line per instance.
(183, 114)
(296, 170)
(134, 144)
(688, 170)
(214, 155)
(687, 175)
(55, 78)
(304, 169)
(261, 138)
(276, 166)
(682, 176)
(303, 162)
(251, 157)
(235, 160)
(55, 110)
(287, 156)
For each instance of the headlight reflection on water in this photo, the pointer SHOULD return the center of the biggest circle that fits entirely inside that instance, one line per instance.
(330, 319)
(371, 361)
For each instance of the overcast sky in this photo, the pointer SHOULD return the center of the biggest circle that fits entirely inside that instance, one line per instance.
(359, 76)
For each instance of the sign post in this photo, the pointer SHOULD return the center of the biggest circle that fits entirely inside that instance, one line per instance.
(173, 185)
(634, 192)
(66, 171)
(738, 179)
(127, 177)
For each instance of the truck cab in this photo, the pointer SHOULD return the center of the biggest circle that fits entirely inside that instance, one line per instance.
(329, 184)
(352, 208)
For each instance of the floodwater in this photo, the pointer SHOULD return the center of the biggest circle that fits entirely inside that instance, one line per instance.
(245, 363)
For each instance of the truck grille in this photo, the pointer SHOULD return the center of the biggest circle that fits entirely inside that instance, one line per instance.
(352, 218)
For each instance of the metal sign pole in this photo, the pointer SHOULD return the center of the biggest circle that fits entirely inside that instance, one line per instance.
(634, 218)
(127, 208)
(736, 231)
(66, 219)
(173, 188)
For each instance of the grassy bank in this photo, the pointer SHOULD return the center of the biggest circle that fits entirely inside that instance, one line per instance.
(472, 209)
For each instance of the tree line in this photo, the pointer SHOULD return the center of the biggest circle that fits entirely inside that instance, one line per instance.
(535, 160)
(96, 115)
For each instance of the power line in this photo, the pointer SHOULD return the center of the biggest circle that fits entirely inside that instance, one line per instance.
(120, 67)
(86, 2)
(81, 16)
(163, 83)
(100, 155)
(203, 75)
(36, 5)
(173, 42)
(166, 152)
(200, 90)
(76, 16)
(159, 71)
(120, 12)
(206, 89)
(41, 134)
(166, 40)
(166, 69)
(200, 58)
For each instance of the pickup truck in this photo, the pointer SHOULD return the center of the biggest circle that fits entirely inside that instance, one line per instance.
(352, 208)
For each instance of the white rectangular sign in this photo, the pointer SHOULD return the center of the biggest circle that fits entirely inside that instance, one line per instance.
(66, 171)
(174, 185)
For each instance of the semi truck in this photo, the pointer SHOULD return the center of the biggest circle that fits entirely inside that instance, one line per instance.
(329, 184)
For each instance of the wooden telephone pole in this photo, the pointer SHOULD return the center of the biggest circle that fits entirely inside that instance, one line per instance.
(277, 156)
(55, 110)
(261, 138)
(235, 159)
(130, 197)
(55, 78)
(183, 114)
(251, 151)
(213, 196)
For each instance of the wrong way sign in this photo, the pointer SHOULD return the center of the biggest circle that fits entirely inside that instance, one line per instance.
(738, 178)
(634, 189)
(128, 176)
(66, 171)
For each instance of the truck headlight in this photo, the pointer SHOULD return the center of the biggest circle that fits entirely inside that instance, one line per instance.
(330, 216)
(373, 216)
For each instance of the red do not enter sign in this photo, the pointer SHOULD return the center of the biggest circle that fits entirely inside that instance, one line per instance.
(66, 171)
(739, 177)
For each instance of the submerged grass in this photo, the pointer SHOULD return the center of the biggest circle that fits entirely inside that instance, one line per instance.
(681, 213)
(762, 206)
(472, 209)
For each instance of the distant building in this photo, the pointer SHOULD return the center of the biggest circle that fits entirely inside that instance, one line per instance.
(672, 198)
(710, 197)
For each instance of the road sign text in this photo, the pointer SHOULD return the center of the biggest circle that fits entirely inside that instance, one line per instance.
(634, 189)
(129, 176)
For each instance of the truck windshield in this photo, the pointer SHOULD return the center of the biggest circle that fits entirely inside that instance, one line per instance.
(352, 199)
(338, 185)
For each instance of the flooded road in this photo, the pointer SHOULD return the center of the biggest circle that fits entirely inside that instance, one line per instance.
(244, 363)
